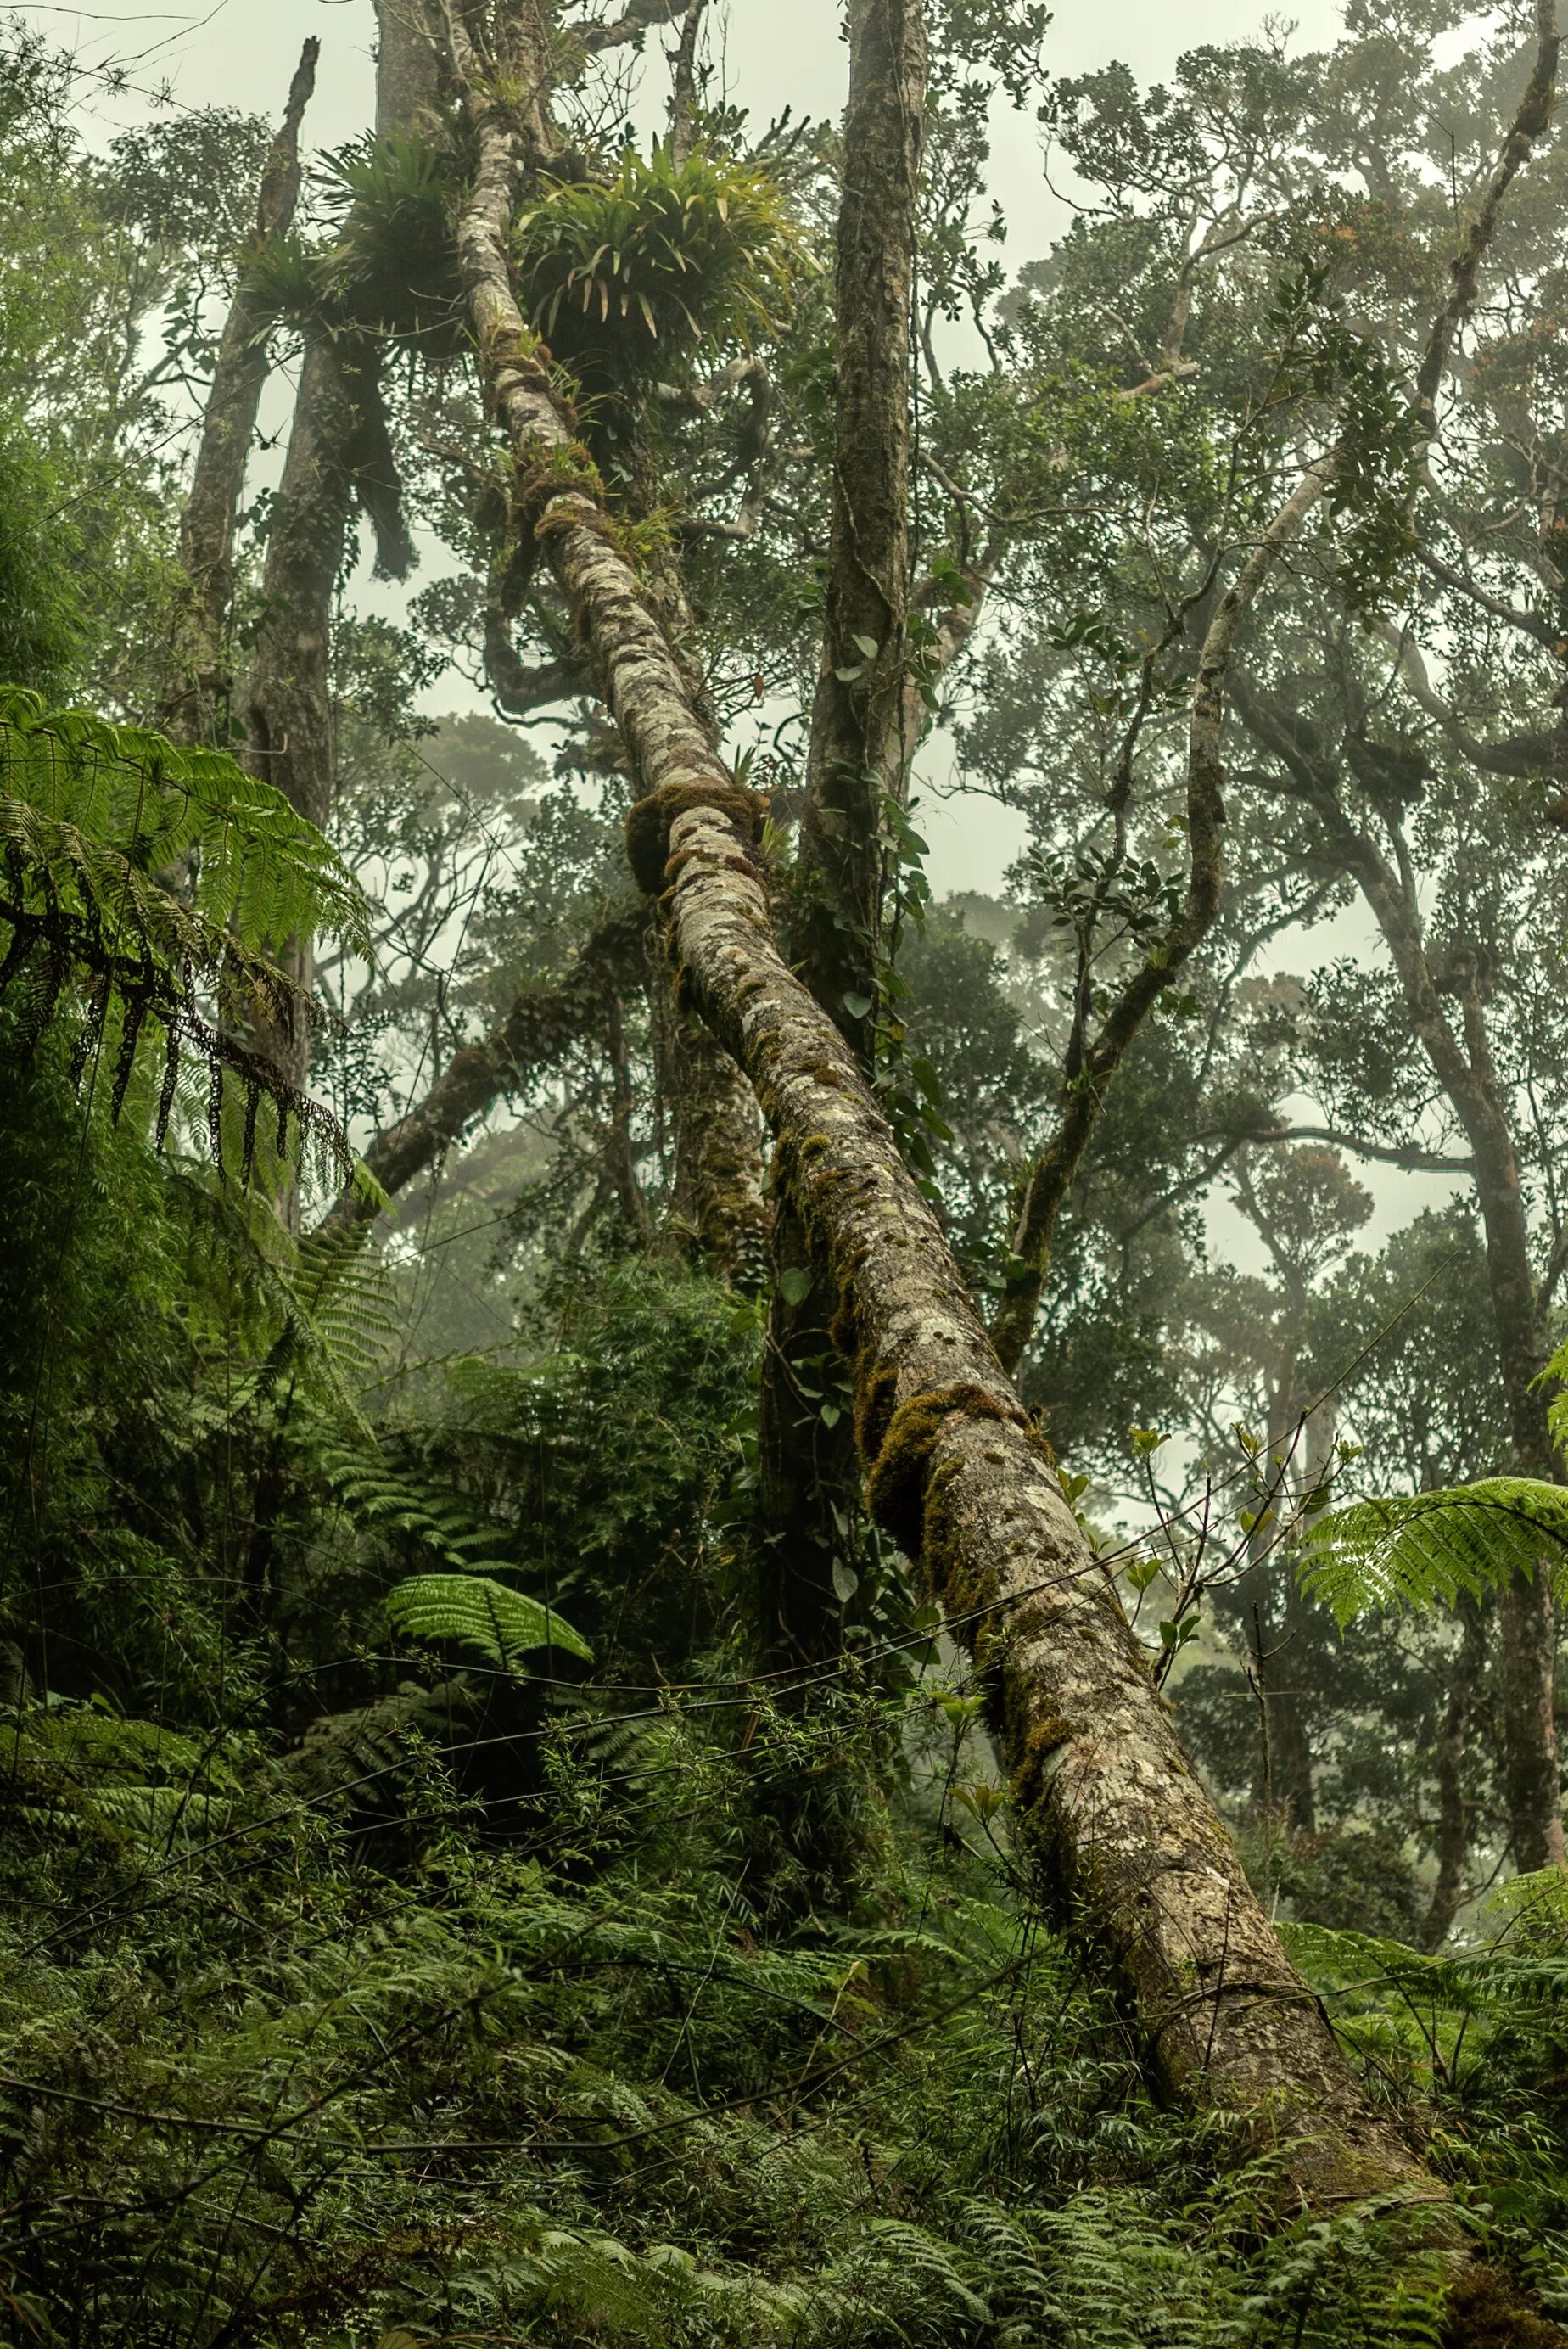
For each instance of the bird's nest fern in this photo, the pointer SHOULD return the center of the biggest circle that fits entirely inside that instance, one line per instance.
(626, 278)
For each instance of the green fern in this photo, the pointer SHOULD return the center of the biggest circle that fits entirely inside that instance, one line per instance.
(1423, 1551)
(476, 1611)
(92, 819)
(259, 872)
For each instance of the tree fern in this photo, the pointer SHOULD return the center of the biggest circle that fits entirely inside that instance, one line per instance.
(476, 1611)
(92, 817)
(1428, 1549)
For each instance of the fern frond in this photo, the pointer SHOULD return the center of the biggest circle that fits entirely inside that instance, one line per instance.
(91, 817)
(477, 1612)
(1422, 1550)
(258, 871)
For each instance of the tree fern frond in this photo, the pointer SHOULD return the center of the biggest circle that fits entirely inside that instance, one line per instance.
(479, 1612)
(92, 817)
(1422, 1550)
(260, 872)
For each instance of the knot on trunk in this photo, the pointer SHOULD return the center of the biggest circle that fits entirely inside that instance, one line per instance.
(649, 821)
(901, 1468)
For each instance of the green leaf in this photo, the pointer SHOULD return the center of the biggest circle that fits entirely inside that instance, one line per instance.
(477, 1612)
(858, 1005)
(795, 1285)
(1428, 1549)
(846, 1581)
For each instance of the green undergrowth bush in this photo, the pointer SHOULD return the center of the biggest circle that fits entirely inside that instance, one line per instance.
(256, 2087)
(361, 1984)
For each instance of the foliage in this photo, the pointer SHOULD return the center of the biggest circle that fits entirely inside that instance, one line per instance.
(631, 276)
(476, 1611)
(410, 1924)
(1427, 1550)
(94, 821)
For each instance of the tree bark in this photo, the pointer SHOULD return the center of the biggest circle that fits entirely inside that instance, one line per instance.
(865, 725)
(288, 716)
(407, 83)
(338, 448)
(959, 1476)
(200, 680)
(860, 744)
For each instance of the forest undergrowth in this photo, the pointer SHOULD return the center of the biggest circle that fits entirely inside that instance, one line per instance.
(359, 1990)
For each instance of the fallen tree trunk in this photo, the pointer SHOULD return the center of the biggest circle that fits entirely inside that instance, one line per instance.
(1139, 1856)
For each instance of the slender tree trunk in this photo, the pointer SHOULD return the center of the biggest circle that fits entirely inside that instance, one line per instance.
(1273, 1621)
(859, 749)
(289, 722)
(407, 72)
(1108, 1800)
(338, 449)
(1527, 1630)
(1453, 1808)
(865, 725)
(199, 681)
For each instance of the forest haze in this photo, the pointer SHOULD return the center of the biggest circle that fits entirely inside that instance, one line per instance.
(745, 1599)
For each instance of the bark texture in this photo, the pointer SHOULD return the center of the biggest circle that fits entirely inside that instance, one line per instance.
(200, 680)
(407, 83)
(861, 718)
(866, 720)
(962, 1481)
(958, 1475)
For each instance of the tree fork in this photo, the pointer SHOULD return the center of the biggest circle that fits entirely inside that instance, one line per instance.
(958, 1475)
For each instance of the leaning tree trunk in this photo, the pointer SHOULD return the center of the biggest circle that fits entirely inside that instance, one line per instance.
(959, 1475)
(199, 682)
